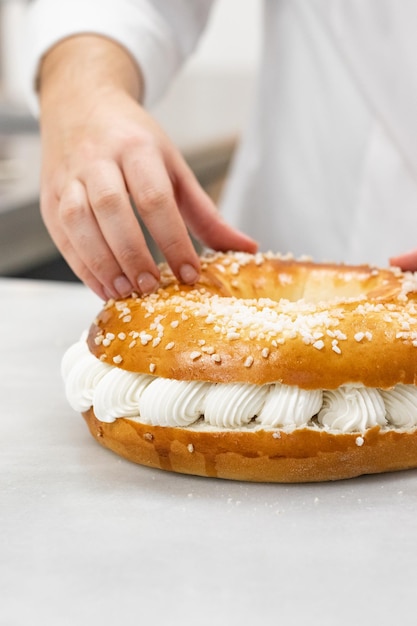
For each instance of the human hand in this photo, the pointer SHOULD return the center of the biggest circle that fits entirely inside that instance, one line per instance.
(407, 261)
(101, 150)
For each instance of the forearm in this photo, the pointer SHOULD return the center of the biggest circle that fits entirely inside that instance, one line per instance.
(87, 67)
(159, 36)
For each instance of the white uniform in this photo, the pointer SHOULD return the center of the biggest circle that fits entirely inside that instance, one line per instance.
(328, 165)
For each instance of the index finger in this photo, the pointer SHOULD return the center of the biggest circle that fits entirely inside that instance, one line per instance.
(151, 187)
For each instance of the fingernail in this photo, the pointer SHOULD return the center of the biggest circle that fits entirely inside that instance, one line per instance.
(147, 283)
(123, 286)
(188, 274)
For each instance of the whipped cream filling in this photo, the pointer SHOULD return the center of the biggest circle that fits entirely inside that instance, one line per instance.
(115, 393)
(352, 409)
(167, 402)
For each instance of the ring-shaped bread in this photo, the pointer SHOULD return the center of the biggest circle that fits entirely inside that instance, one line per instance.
(264, 320)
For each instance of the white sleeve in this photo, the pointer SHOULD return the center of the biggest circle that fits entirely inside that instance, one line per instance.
(159, 34)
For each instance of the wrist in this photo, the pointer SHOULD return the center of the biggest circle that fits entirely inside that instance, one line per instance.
(87, 65)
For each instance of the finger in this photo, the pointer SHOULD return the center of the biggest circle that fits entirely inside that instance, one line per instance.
(203, 217)
(407, 261)
(82, 271)
(152, 191)
(49, 203)
(112, 208)
(87, 242)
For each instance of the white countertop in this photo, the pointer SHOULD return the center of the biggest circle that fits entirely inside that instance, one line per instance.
(88, 538)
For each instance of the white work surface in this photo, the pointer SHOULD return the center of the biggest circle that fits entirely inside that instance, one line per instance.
(88, 538)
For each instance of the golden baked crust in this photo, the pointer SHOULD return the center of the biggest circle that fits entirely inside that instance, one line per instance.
(303, 455)
(260, 319)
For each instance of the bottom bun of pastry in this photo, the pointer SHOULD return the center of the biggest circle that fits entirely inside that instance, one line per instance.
(268, 369)
(299, 455)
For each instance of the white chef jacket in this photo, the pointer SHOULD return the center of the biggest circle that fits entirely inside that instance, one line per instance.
(328, 164)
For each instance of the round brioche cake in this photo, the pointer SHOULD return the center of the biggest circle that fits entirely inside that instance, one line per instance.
(268, 369)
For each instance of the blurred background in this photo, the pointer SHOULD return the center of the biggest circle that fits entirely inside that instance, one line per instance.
(203, 112)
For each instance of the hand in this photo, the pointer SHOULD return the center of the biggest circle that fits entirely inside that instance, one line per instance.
(407, 261)
(101, 150)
